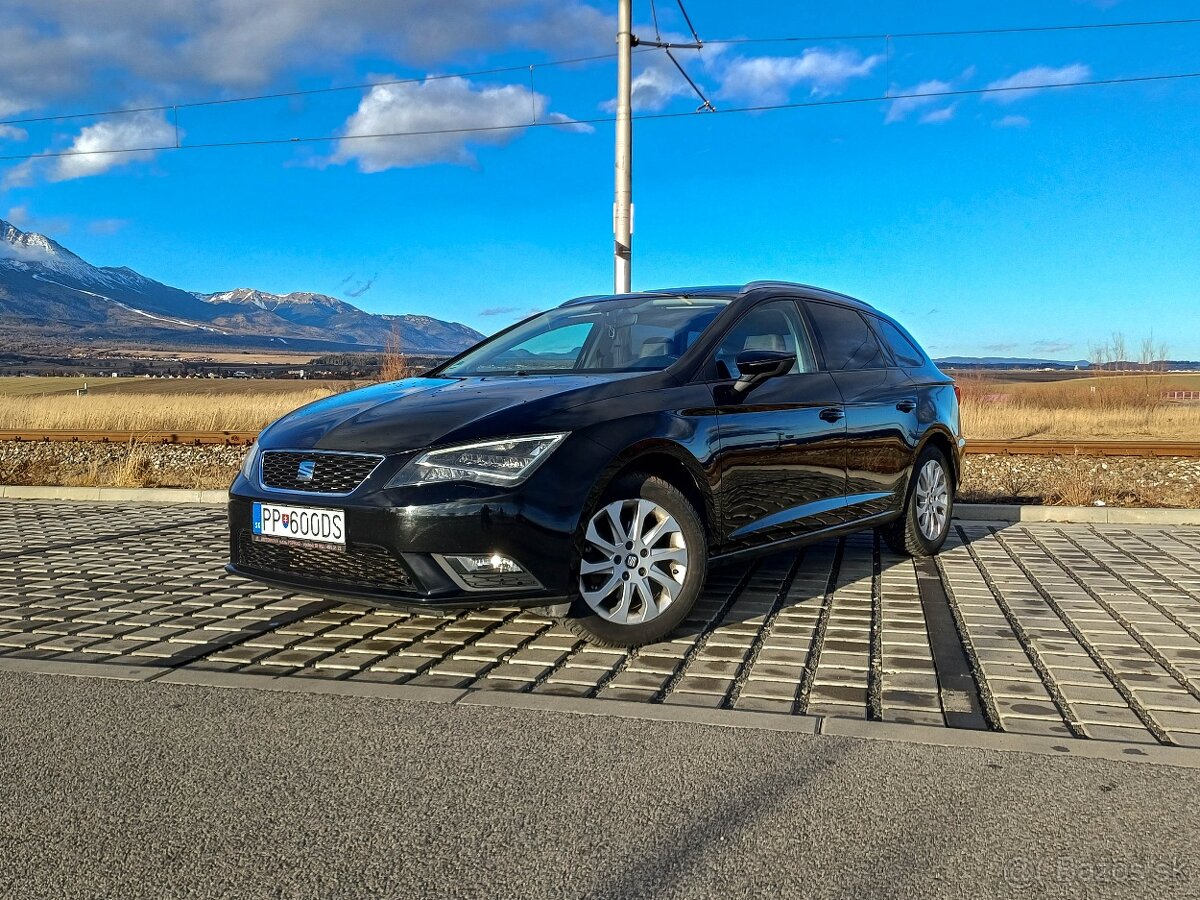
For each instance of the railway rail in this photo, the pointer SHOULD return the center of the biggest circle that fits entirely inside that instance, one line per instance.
(192, 438)
(1020, 447)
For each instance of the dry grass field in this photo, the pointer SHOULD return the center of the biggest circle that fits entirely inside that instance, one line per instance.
(130, 411)
(168, 387)
(1107, 407)
(1116, 407)
(154, 404)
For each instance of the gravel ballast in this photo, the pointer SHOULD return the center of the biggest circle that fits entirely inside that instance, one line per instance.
(207, 467)
(1082, 481)
(1061, 480)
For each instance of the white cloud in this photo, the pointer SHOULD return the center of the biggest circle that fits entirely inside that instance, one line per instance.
(1031, 78)
(10, 105)
(113, 142)
(20, 253)
(23, 218)
(18, 215)
(67, 49)
(20, 175)
(12, 133)
(655, 86)
(106, 227)
(945, 114)
(770, 79)
(1011, 122)
(920, 96)
(656, 81)
(438, 105)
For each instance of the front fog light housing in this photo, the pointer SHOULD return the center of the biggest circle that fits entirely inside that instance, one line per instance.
(487, 572)
(505, 462)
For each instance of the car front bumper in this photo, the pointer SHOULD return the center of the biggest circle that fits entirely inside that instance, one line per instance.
(397, 542)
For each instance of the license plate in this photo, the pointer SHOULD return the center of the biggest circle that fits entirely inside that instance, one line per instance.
(300, 524)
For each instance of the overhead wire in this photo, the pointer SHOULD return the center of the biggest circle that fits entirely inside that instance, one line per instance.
(688, 19)
(304, 92)
(705, 103)
(969, 32)
(804, 104)
(301, 92)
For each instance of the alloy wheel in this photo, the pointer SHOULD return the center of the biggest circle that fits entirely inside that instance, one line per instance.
(932, 499)
(634, 563)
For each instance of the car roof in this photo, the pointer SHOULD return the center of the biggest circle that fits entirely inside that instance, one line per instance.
(728, 292)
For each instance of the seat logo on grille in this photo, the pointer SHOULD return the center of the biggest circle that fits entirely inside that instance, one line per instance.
(306, 470)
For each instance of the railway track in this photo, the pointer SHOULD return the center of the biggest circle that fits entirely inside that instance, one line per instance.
(974, 447)
(1084, 448)
(189, 438)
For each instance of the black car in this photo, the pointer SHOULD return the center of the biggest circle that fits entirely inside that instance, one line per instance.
(594, 459)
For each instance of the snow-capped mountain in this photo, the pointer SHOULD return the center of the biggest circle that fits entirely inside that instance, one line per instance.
(48, 294)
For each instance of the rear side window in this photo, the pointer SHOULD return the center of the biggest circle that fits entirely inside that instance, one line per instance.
(846, 340)
(904, 350)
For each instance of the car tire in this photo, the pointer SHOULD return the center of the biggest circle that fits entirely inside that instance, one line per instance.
(922, 527)
(617, 603)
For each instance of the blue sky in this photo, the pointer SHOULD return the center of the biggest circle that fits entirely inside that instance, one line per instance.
(1025, 224)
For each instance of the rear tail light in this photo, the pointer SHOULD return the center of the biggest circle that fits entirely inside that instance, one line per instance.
(958, 393)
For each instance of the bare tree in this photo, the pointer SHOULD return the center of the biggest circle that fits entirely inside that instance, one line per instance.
(394, 366)
(1154, 354)
(1100, 355)
(1119, 352)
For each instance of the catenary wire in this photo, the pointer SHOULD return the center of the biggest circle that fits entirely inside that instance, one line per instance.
(28, 120)
(845, 101)
(304, 92)
(969, 32)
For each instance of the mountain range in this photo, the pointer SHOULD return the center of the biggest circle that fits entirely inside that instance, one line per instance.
(51, 297)
(1014, 362)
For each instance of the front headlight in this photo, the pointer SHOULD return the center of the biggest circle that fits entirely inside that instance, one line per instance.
(250, 461)
(505, 462)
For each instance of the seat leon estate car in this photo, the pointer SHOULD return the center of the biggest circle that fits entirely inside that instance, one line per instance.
(592, 461)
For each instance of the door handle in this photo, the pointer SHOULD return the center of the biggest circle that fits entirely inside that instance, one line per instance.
(832, 414)
(906, 405)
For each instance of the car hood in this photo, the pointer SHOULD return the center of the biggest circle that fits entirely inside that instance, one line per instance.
(422, 412)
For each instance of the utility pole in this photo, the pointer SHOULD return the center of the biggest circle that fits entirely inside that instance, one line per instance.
(623, 205)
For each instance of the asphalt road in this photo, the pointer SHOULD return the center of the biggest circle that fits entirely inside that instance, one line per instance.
(118, 789)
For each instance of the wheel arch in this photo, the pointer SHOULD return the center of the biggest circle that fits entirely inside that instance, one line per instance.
(668, 461)
(936, 437)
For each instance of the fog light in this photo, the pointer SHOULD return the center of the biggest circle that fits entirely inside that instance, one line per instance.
(487, 572)
(495, 564)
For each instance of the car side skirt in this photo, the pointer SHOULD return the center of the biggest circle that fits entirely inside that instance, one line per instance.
(810, 538)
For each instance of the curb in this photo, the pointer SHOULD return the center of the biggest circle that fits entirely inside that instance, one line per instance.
(1096, 515)
(812, 726)
(966, 512)
(112, 495)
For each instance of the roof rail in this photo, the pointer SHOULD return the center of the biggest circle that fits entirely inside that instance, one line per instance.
(838, 295)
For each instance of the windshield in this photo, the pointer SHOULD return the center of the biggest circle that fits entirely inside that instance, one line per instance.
(636, 334)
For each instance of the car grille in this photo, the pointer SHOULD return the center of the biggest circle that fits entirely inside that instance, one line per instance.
(363, 566)
(332, 473)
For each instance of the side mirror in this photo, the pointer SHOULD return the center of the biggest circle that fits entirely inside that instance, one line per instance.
(757, 366)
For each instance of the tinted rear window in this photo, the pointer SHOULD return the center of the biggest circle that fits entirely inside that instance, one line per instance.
(905, 351)
(845, 339)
